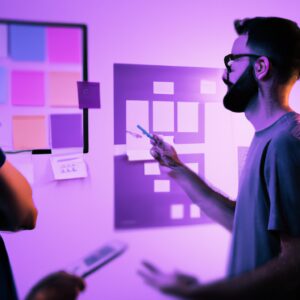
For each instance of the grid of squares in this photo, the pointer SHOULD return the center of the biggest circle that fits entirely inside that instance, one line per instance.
(168, 101)
(39, 69)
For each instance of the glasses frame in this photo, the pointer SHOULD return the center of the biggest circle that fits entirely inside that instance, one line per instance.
(231, 57)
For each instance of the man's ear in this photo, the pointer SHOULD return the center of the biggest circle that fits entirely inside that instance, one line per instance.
(262, 67)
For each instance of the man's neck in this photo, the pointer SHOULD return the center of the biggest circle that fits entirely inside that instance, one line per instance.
(265, 110)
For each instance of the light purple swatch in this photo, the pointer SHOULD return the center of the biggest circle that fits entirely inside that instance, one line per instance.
(64, 45)
(27, 88)
(66, 130)
(88, 94)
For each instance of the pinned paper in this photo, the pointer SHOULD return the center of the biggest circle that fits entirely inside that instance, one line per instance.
(195, 211)
(163, 116)
(187, 116)
(163, 88)
(66, 130)
(27, 88)
(137, 112)
(151, 168)
(62, 89)
(3, 40)
(208, 87)
(68, 166)
(3, 85)
(177, 211)
(88, 94)
(27, 42)
(29, 132)
(64, 45)
(161, 186)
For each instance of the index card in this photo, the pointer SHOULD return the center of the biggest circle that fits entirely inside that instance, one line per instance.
(163, 116)
(177, 211)
(163, 87)
(208, 87)
(187, 116)
(161, 186)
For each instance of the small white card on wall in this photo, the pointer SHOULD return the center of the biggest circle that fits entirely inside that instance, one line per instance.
(69, 167)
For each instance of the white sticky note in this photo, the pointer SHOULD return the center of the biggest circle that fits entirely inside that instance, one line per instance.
(137, 113)
(3, 41)
(151, 168)
(195, 211)
(163, 116)
(161, 186)
(193, 166)
(187, 117)
(168, 139)
(208, 87)
(69, 166)
(177, 211)
(163, 87)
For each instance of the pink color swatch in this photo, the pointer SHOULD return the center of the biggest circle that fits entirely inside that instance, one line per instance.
(64, 45)
(29, 132)
(63, 89)
(28, 88)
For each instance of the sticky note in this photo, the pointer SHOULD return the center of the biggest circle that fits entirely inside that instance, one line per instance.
(187, 117)
(161, 186)
(208, 87)
(193, 166)
(3, 85)
(3, 40)
(151, 169)
(195, 211)
(63, 89)
(88, 94)
(64, 45)
(27, 42)
(137, 112)
(29, 132)
(163, 116)
(28, 88)
(66, 130)
(163, 88)
(177, 211)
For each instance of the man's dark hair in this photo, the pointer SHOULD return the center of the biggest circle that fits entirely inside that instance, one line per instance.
(276, 38)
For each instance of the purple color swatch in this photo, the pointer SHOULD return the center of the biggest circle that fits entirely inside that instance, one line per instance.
(88, 94)
(3, 85)
(64, 45)
(27, 88)
(66, 130)
(27, 43)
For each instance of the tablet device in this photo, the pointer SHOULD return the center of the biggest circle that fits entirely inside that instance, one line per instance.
(96, 259)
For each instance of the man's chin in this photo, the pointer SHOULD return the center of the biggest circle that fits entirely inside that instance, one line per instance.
(234, 107)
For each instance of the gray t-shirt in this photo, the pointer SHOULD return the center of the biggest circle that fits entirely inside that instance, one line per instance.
(268, 200)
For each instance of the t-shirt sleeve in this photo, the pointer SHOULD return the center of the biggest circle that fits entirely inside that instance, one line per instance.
(2, 158)
(282, 175)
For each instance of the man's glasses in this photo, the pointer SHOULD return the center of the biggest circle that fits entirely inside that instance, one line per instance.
(228, 59)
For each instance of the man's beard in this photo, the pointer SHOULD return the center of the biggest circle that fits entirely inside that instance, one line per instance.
(242, 92)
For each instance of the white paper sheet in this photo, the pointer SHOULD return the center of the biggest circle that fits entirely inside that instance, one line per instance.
(187, 116)
(163, 116)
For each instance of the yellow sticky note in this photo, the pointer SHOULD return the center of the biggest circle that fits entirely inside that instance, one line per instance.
(29, 132)
(62, 88)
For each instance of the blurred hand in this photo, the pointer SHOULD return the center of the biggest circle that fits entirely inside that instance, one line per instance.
(164, 153)
(175, 283)
(57, 286)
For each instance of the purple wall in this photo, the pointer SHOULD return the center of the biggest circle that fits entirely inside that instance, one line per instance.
(77, 216)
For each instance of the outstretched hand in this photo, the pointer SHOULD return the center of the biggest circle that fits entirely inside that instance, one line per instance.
(58, 286)
(164, 153)
(175, 283)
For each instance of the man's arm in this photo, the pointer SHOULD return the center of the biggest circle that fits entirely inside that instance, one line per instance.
(215, 205)
(278, 277)
(17, 210)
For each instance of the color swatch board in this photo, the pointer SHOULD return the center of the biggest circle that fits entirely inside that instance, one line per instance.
(184, 106)
(40, 64)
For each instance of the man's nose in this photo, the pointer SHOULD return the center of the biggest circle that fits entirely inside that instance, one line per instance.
(225, 75)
